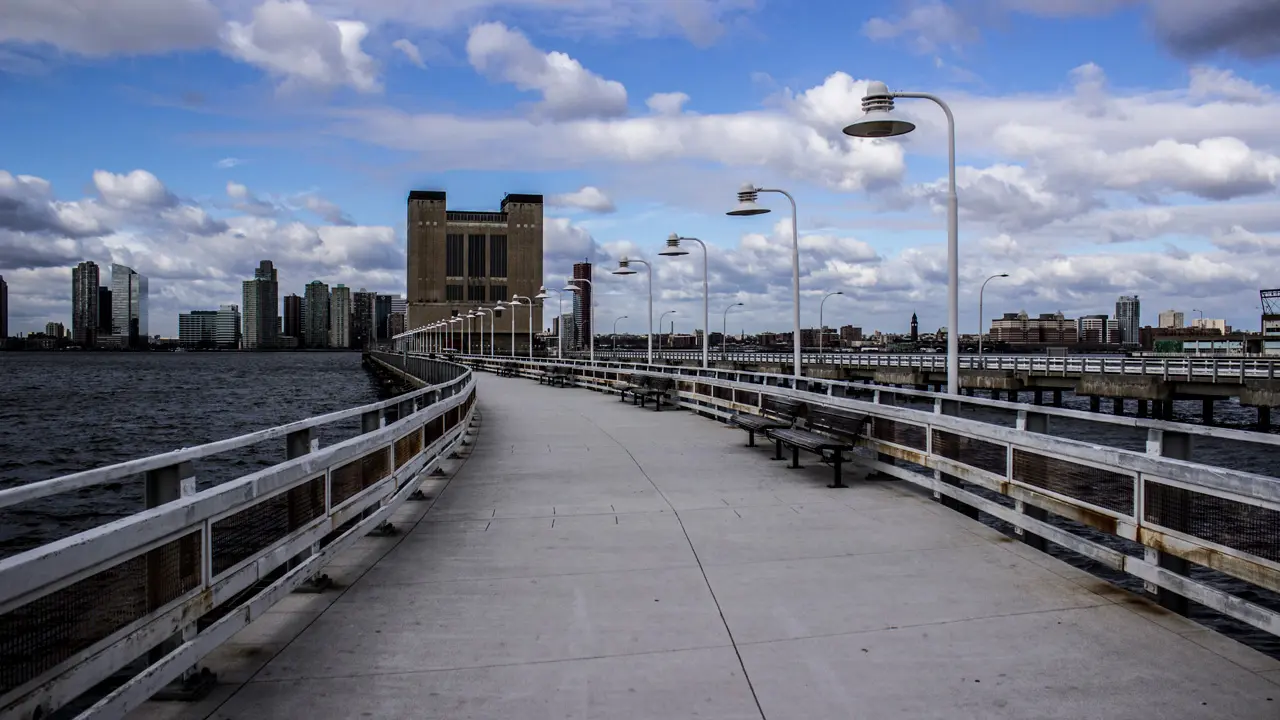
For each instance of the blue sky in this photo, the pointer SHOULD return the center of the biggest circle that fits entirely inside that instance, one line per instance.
(1105, 148)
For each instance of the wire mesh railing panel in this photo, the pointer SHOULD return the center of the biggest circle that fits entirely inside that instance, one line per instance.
(258, 526)
(976, 453)
(1103, 488)
(899, 433)
(45, 632)
(1248, 528)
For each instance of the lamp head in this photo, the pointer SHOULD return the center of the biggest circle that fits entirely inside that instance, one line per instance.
(839, 292)
(542, 295)
(624, 267)
(571, 288)
(747, 202)
(878, 119)
(1004, 274)
(738, 303)
(673, 247)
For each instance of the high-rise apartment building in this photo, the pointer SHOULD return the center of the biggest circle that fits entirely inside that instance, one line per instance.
(1129, 318)
(340, 317)
(363, 320)
(395, 324)
(1099, 330)
(261, 307)
(381, 313)
(1172, 319)
(84, 305)
(293, 316)
(128, 305)
(460, 260)
(227, 327)
(198, 329)
(55, 330)
(104, 309)
(315, 330)
(1021, 329)
(582, 300)
(4, 310)
(400, 304)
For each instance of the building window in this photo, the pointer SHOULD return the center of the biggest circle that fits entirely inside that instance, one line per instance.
(475, 293)
(498, 255)
(497, 292)
(475, 256)
(453, 256)
(453, 293)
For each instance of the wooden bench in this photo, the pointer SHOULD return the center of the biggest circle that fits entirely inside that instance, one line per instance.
(827, 432)
(656, 390)
(555, 376)
(632, 384)
(775, 413)
(509, 369)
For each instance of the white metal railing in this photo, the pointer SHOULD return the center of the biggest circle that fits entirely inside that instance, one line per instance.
(77, 610)
(1211, 369)
(1175, 509)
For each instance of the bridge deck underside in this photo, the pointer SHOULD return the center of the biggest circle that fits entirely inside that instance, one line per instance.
(593, 560)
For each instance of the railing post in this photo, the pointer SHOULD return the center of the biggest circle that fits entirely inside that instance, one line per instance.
(369, 421)
(1036, 423)
(1174, 445)
(166, 485)
(297, 444)
(950, 407)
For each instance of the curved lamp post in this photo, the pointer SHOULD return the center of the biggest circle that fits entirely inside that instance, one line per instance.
(821, 326)
(747, 206)
(559, 317)
(615, 336)
(724, 330)
(493, 328)
(624, 268)
(482, 313)
(673, 332)
(674, 250)
(591, 311)
(880, 121)
(515, 303)
(982, 318)
(530, 305)
(541, 296)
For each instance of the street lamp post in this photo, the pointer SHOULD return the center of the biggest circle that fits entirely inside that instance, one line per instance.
(821, 326)
(542, 295)
(982, 318)
(481, 313)
(747, 206)
(724, 330)
(515, 303)
(624, 268)
(615, 336)
(559, 318)
(530, 304)
(591, 311)
(674, 250)
(673, 332)
(880, 121)
(1201, 327)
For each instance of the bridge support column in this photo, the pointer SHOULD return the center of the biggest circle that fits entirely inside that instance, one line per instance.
(951, 407)
(369, 422)
(1174, 445)
(1142, 409)
(297, 444)
(1095, 403)
(165, 485)
(1037, 397)
(1037, 423)
(1264, 417)
(1057, 398)
(1117, 406)
(1206, 411)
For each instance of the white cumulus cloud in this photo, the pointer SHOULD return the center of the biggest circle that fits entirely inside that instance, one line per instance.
(290, 40)
(585, 198)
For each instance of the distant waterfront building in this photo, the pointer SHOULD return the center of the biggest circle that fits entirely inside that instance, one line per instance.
(261, 307)
(104, 310)
(582, 330)
(915, 328)
(315, 330)
(1129, 318)
(1099, 330)
(227, 329)
(55, 330)
(1210, 324)
(292, 316)
(84, 305)
(461, 260)
(395, 323)
(1172, 319)
(129, 305)
(1021, 329)
(198, 329)
(400, 304)
(849, 333)
(340, 317)
(4, 310)
(381, 313)
(363, 320)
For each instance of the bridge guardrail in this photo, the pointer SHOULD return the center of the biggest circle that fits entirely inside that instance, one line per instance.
(1175, 510)
(77, 610)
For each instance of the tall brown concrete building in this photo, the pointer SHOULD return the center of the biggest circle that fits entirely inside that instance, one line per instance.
(462, 260)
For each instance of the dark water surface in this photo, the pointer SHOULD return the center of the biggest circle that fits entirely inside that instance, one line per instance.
(65, 412)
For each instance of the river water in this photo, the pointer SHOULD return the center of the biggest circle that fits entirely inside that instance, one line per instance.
(65, 412)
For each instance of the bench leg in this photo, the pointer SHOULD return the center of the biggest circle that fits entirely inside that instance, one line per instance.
(657, 403)
(795, 459)
(835, 464)
(777, 453)
(751, 438)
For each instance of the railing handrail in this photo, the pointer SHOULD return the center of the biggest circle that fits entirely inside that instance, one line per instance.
(109, 473)
(1221, 433)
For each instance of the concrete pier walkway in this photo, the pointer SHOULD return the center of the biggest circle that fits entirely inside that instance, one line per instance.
(592, 560)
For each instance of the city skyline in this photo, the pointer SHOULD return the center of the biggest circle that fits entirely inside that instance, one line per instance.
(1071, 179)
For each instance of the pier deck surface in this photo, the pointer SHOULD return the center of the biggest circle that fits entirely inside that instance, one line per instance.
(593, 560)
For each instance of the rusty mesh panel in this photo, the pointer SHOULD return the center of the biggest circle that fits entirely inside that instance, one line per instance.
(900, 433)
(255, 528)
(976, 453)
(1103, 488)
(375, 466)
(344, 481)
(748, 398)
(408, 447)
(701, 389)
(1247, 528)
(38, 636)
(431, 432)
